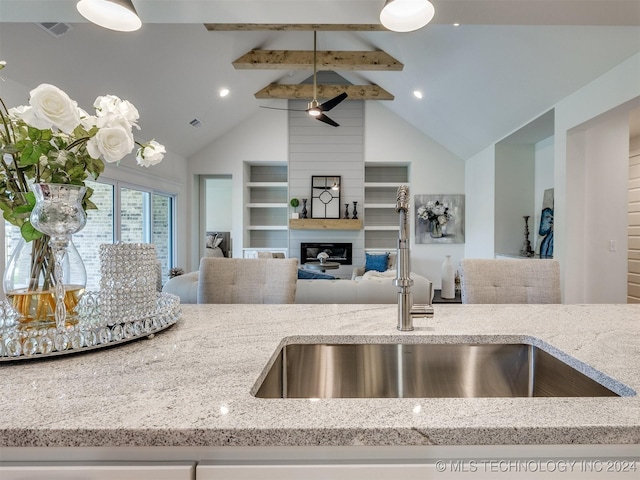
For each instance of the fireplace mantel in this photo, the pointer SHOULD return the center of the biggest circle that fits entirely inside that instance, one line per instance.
(325, 224)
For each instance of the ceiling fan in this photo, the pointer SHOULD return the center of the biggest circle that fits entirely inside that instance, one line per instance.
(314, 108)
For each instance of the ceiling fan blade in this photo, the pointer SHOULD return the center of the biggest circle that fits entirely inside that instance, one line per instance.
(329, 104)
(323, 118)
(287, 109)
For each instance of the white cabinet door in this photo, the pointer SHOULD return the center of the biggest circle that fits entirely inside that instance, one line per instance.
(119, 471)
(449, 469)
(206, 471)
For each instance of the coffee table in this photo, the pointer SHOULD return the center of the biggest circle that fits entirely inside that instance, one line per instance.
(322, 266)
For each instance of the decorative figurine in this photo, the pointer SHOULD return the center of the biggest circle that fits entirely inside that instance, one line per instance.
(526, 250)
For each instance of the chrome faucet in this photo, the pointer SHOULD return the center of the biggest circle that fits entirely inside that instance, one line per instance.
(406, 309)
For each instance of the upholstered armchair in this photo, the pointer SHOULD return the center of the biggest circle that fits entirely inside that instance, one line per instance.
(247, 280)
(510, 281)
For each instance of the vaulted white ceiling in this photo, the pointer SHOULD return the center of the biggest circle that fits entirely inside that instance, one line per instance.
(507, 63)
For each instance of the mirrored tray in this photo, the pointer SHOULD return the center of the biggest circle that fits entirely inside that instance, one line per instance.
(92, 331)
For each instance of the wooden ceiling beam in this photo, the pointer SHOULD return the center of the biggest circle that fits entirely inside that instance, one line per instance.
(296, 27)
(325, 60)
(325, 92)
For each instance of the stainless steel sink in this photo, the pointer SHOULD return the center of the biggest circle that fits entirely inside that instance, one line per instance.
(422, 371)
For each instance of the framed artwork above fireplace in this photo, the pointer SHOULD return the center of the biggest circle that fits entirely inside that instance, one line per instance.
(325, 196)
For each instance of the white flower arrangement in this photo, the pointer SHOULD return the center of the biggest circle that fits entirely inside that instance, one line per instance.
(434, 211)
(52, 140)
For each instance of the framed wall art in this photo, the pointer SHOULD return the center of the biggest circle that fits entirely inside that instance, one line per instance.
(439, 218)
(325, 196)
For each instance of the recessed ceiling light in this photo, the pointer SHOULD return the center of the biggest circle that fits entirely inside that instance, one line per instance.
(224, 92)
(417, 94)
(456, 24)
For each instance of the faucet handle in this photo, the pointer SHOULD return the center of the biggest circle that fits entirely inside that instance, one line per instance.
(402, 198)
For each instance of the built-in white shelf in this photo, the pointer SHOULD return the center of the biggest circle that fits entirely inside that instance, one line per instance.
(385, 184)
(382, 228)
(267, 205)
(380, 205)
(381, 222)
(267, 184)
(267, 227)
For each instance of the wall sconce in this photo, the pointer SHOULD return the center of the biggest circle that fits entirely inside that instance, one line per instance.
(117, 15)
(406, 15)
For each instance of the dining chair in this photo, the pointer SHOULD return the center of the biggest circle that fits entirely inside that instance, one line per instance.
(247, 280)
(510, 280)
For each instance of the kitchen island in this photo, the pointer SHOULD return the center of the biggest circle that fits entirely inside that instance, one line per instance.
(187, 394)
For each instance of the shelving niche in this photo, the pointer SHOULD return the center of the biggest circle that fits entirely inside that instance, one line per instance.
(266, 206)
(381, 222)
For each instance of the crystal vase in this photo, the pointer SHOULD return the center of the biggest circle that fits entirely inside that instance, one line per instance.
(29, 285)
(58, 213)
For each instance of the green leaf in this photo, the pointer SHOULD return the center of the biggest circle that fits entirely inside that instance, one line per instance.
(35, 134)
(23, 209)
(89, 205)
(29, 233)
(30, 198)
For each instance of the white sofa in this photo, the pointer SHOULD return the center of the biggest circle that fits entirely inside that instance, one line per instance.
(370, 289)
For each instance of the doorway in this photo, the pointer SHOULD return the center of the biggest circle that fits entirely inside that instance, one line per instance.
(215, 212)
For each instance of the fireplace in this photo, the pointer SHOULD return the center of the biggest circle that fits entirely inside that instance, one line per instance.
(338, 252)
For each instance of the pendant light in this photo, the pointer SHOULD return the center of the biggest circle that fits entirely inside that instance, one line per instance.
(406, 15)
(117, 15)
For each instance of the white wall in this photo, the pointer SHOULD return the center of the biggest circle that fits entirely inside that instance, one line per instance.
(577, 172)
(218, 195)
(601, 151)
(514, 193)
(261, 138)
(434, 170)
(480, 184)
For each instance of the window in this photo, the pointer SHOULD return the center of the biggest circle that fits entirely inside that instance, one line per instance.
(125, 213)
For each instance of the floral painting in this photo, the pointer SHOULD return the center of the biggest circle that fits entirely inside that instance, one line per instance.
(439, 218)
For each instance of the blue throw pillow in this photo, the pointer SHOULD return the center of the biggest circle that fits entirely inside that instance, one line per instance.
(377, 262)
(307, 275)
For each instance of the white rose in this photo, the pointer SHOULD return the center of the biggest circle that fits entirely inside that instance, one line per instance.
(87, 121)
(108, 105)
(27, 115)
(113, 143)
(52, 104)
(150, 154)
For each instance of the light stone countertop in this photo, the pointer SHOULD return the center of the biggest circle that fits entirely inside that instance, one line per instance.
(191, 384)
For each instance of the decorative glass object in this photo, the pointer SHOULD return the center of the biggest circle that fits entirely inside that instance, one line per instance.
(46, 277)
(59, 214)
(30, 289)
(128, 283)
(91, 332)
(127, 307)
